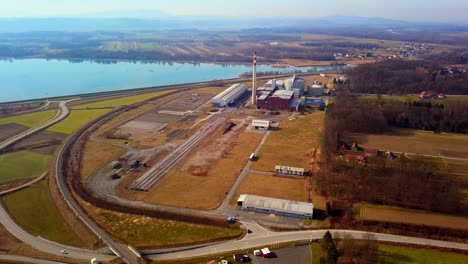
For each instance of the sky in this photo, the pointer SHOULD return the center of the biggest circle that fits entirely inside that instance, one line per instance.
(412, 10)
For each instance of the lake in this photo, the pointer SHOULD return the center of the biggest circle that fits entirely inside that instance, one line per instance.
(25, 79)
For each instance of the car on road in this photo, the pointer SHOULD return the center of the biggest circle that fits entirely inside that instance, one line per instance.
(63, 251)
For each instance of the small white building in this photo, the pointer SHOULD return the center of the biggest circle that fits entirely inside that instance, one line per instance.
(230, 95)
(289, 170)
(261, 124)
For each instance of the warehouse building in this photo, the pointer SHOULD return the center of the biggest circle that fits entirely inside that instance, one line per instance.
(275, 206)
(280, 100)
(230, 95)
(314, 102)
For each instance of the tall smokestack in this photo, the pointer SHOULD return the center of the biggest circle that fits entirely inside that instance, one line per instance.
(254, 79)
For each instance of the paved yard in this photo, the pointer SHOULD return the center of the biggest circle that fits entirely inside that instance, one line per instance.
(290, 255)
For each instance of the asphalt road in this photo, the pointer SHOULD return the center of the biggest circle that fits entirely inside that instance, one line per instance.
(46, 245)
(20, 259)
(272, 238)
(62, 114)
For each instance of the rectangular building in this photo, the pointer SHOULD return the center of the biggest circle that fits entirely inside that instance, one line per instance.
(314, 102)
(230, 95)
(280, 100)
(261, 124)
(275, 206)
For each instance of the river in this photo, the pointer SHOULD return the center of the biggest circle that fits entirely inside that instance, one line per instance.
(24, 79)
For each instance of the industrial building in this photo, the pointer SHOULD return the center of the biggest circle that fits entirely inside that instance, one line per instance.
(281, 95)
(289, 170)
(230, 95)
(315, 90)
(269, 205)
(261, 124)
(314, 102)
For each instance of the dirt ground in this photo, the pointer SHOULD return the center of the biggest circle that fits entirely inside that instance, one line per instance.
(9, 130)
(203, 179)
(397, 215)
(273, 186)
(44, 142)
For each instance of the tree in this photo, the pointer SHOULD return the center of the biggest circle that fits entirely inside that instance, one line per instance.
(328, 245)
(328, 208)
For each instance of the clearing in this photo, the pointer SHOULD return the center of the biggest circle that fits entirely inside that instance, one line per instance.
(295, 139)
(76, 120)
(34, 210)
(22, 165)
(182, 187)
(147, 232)
(272, 186)
(29, 120)
(418, 141)
(96, 155)
(406, 255)
(119, 101)
(398, 215)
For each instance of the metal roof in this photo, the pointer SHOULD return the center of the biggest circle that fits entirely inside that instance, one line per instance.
(261, 123)
(229, 92)
(284, 94)
(279, 205)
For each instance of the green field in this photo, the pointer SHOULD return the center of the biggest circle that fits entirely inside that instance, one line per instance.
(120, 101)
(29, 120)
(34, 209)
(405, 255)
(22, 165)
(77, 119)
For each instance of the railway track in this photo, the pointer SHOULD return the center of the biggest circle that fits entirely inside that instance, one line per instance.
(151, 177)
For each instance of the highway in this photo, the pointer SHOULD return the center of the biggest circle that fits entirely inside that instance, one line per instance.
(61, 114)
(152, 176)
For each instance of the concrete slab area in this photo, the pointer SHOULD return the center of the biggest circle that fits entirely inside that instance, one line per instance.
(290, 255)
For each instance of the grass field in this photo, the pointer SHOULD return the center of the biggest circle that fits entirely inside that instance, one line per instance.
(405, 255)
(290, 145)
(419, 141)
(142, 231)
(398, 215)
(34, 210)
(22, 165)
(271, 186)
(120, 101)
(96, 155)
(77, 119)
(182, 189)
(29, 120)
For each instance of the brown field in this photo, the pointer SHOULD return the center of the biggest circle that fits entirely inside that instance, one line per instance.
(272, 186)
(291, 144)
(181, 188)
(96, 155)
(397, 215)
(305, 63)
(418, 141)
(43, 142)
(9, 130)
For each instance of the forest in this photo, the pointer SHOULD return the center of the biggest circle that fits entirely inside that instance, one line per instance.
(405, 77)
(382, 181)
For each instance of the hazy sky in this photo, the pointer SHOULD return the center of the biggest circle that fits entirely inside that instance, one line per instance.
(425, 10)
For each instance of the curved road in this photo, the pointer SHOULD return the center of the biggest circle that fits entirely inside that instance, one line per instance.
(272, 238)
(20, 259)
(62, 114)
(37, 242)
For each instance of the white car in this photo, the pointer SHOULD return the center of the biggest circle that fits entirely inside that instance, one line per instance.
(257, 253)
(63, 251)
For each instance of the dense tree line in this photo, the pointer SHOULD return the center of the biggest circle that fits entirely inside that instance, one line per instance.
(403, 77)
(418, 183)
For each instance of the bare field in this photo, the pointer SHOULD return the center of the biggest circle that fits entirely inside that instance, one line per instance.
(420, 142)
(397, 215)
(9, 130)
(181, 188)
(292, 143)
(97, 155)
(272, 186)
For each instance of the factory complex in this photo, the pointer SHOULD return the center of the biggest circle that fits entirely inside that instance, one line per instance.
(230, 95)
(275, 206)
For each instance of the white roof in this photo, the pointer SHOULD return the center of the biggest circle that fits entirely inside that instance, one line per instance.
(284, 94)
(226, 94)
(279, 205)
(265, 251)
(261, 123)
(279, 167)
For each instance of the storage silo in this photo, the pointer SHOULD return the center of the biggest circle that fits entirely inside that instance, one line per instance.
(315, 90)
